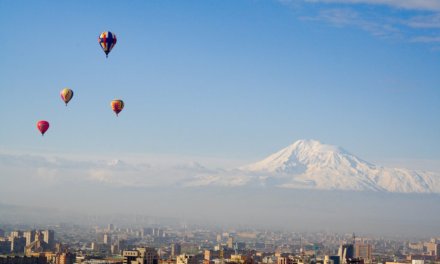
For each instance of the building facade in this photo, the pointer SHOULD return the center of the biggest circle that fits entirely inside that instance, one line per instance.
(144, 255)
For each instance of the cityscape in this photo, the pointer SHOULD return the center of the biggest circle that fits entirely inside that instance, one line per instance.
(220, 132)
(71, 243)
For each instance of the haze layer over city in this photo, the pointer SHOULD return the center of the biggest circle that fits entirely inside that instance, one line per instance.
(299, 116)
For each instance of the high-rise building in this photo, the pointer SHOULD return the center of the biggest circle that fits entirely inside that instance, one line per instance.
(230, 242)
(363, 251)
(346, 252)
(157, 232)
(49, 237)
(107, 239)
(2, 232)
(5, 246)
(114, 249)
(29, 236)
(141, 256)
(176, 249)
(95, 246)
(38, 245)
(17, 244)
(16, 234)
(211, 254)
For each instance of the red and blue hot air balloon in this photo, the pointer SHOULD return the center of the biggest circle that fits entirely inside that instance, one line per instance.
(107, 40)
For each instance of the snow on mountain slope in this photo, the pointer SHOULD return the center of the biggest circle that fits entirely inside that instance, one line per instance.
(311, 164)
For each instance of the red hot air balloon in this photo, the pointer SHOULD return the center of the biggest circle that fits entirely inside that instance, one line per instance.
(43, 126)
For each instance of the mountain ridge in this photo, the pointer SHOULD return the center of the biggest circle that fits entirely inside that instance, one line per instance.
(309, 164)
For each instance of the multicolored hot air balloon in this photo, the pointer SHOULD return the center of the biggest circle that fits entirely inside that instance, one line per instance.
(43, 126)
(107, 40)
(117, 106)
(66, 95)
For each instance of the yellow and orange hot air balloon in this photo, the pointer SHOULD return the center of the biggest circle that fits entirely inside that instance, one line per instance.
(66, 95)
(117, 106)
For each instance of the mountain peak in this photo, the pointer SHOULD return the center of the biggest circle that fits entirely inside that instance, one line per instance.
(301, 154)
(314, 146)
(311, 164)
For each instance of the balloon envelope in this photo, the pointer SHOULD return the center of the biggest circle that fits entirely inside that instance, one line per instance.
(43, 126)
(66, 95)
(107, 40)
(117, 106)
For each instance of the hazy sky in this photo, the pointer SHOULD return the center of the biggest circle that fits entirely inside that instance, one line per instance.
(219, 82)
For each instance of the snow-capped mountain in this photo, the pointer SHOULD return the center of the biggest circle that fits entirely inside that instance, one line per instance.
(311, 164)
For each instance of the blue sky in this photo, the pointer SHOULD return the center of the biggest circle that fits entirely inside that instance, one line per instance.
(232, 80)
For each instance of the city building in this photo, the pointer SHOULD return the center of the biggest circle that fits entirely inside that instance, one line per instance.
(16, 234)
(433, 248)
(167, 261)
(114, 249)
(346, 252)
(230, 243)
(185, 259)
(94, 246)
(37, 246)
(176, 249)
(22, 260)
(240, 245)
(65, 258)
(141, 256)
(285, 259)
(49, 238)
(211, 254)
(17, 244)
(363, 251)
(107, 239)
(239, 259)
(29, 236)
(335, 259)
(327, 260)
(5, 246)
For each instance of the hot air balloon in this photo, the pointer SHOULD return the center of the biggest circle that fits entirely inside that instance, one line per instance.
(107, 40)
(66, 95)
(117, 106)
(43, 126)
